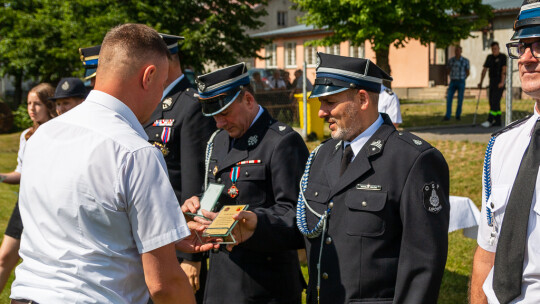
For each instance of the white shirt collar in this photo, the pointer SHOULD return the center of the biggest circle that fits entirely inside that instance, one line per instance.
(169, 88)
(258, 115)
(119, 107)
(361, 139)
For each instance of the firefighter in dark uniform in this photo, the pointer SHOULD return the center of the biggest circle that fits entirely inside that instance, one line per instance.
(260, 162)
(89, 58)
(178, 128)
(373, 204)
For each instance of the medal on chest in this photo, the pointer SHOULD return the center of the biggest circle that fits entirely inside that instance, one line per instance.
(233, 190)
(165, 137)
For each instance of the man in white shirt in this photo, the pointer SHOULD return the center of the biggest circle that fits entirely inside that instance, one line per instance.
(506, 266)
(389, 104)
(101, 218)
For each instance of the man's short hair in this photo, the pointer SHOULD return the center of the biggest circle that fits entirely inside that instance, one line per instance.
(494, 43)
(131, 44)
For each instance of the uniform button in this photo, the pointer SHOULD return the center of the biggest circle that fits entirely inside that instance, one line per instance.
(364, 204)
(492, 205)
(219, 180)
(247, 173)
(328, 241)
(331, 205)
(316, 193)
(157, 135)
(325, 275)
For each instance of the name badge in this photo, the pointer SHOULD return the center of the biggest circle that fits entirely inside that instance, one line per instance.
(163, 123)
(368, 187)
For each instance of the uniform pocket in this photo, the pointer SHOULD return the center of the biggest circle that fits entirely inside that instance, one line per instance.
(365, 212)
(251, 184)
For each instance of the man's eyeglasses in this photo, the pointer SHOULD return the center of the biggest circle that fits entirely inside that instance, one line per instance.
(517, 49)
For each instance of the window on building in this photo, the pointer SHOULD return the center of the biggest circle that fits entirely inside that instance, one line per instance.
(310, 54)
(282, 18)
(271, 56)
(357, 51)
(334, 49)
(290, 55)
(440, 56)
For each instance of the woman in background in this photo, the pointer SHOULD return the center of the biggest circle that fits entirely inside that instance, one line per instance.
(41, 110)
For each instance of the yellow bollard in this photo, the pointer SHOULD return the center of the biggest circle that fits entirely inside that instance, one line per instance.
(314, 123)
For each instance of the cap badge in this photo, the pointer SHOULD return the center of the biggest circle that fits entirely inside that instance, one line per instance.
(253, 140)
(65, 86)
(432, 203)
(167, 103)
(200, 85)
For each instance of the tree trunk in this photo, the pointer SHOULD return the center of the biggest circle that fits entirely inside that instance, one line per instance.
(382, 61)
(17, 98)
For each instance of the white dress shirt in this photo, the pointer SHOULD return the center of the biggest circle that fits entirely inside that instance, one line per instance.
(22, 146)
(94, 196)
(389, 104)
(506, 156)
(362, 139)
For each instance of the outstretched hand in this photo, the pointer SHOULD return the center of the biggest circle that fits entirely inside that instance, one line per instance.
(193, 244)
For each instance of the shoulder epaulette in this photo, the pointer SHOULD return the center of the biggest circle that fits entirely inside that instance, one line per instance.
(390, 92)
(413, 140)
(512, 125)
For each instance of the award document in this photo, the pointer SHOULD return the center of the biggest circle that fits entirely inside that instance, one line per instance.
(224, 223)
(209, 198)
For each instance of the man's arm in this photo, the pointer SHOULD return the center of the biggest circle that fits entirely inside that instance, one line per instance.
(10, 178)
(503, 77)
(484, 70)
(482, 264)
(165, 279)
(424, 215)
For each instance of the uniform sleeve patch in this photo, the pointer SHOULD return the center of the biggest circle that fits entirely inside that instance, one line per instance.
(432, 193)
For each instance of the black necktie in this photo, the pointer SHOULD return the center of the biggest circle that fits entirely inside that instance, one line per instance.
(507, 275)
(346, 159)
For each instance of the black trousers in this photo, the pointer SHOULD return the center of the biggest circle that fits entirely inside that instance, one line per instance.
(495, 94)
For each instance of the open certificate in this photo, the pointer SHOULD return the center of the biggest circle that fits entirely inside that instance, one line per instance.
(224, 223)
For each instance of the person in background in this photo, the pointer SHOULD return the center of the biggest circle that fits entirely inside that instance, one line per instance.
(40, 110)
(496, 64)
(257, 84)
(458, 70)
(389, 104)
(298, 83)
(275, 82)
(69, 93)
(89, 58)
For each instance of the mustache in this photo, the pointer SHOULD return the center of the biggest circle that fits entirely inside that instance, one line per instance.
(330, 120)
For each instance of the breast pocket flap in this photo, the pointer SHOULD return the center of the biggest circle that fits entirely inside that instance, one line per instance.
(363, 200)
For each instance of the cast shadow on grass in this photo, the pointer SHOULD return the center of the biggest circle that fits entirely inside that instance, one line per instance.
(454, 288)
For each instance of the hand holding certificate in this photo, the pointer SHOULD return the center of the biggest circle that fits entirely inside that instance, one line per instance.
(223, 224)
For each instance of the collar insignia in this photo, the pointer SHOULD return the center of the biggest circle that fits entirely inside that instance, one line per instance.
(167, 103)
(253, 140)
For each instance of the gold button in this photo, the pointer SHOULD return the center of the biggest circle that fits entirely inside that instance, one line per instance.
(328, 241)
(325, 275)
(331, 205)
(364, 204)
(157, 135)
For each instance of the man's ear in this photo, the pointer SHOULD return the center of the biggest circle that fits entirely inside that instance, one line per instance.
(149, 75)
(249, 98)
(365, 100)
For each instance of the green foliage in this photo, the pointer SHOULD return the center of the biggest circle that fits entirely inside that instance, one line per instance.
(41, 38)
(21, 119)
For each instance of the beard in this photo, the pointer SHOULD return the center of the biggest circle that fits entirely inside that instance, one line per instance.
(348, 133)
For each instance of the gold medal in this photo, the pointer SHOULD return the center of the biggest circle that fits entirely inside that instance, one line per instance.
(215, 171)
(165, 150)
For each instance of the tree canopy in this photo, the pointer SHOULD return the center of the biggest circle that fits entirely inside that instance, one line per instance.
(395, 22)
(39, 39)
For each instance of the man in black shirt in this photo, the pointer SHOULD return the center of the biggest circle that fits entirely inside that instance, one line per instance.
(496, 63)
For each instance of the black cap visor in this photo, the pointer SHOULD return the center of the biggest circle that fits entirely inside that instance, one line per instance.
(215, 105)
(527, 32)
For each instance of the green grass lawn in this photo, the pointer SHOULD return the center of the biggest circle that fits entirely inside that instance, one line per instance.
(464, 159)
